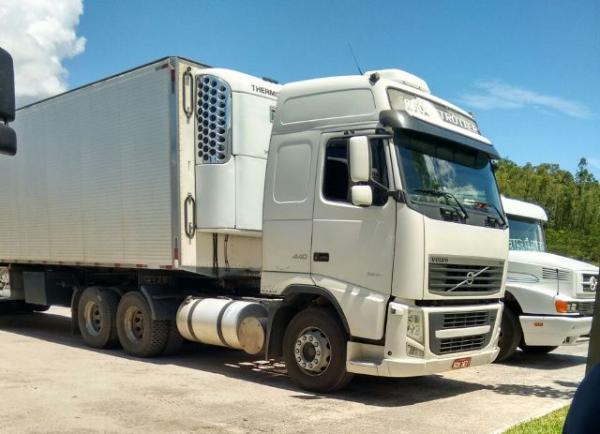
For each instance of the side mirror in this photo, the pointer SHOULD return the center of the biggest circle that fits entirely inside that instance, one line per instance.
(8, 138)
(360, 159)
(362, 195)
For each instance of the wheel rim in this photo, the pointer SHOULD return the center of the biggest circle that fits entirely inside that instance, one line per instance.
(93, 318)
(312, 351)
(134, 324)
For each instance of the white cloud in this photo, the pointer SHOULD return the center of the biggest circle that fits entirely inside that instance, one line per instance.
(498, 95)
(40, 34)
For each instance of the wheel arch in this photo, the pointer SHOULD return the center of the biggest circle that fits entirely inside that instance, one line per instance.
(295, 299)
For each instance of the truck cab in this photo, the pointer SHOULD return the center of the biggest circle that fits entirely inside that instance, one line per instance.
(380, 198)
(549, 298)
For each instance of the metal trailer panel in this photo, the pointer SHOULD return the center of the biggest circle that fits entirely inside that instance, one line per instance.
(92, 182)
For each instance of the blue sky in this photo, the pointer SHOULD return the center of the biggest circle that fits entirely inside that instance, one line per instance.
(529, 70)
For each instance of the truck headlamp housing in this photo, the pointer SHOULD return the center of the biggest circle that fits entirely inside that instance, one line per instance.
(414, 328)
(563, 306)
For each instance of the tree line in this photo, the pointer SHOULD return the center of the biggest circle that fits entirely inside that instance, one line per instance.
(572, 202)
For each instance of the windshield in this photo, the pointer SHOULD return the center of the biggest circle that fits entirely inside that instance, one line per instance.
(526, 234)
(439, 175)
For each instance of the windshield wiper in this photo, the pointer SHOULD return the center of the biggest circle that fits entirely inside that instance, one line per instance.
(446, 194)
(495, 208)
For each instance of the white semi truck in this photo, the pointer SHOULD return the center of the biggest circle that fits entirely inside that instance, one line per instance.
(549, 298)
(348, 225)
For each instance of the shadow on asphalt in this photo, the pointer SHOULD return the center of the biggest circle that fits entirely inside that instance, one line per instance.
(548, 361)
(384, 392)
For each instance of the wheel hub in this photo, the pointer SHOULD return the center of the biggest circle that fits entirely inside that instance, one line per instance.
(93, 318)
(134, 324)
(312, 351)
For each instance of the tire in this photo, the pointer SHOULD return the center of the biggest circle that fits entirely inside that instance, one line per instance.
(139, 334)
(510, 335)
(174, 340)
(329, 338)
(96, 317)
(536, 349)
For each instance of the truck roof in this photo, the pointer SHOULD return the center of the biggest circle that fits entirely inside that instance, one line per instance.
(519, 208)
(357, 100)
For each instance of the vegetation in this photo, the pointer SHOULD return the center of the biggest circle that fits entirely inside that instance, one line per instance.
(549, 424)
(571, 201)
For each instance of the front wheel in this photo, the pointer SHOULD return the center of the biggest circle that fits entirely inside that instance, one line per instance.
(314, 350)
(536, 349)
(510, 335)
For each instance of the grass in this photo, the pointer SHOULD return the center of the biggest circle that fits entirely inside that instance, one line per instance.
(549, 424)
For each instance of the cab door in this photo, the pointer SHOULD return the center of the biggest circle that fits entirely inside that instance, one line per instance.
(352, 251)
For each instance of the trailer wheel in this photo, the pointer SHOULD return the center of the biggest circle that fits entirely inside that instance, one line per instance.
(139, 334)
(314, 350)
(510, 335)
(537, 349)
(96, 317)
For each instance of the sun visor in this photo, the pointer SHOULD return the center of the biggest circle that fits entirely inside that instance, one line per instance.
(403, 120)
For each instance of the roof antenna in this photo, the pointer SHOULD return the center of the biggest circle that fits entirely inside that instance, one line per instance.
(355, 59)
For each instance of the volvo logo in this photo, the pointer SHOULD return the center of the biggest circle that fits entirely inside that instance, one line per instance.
(593, 283)
(470, 279)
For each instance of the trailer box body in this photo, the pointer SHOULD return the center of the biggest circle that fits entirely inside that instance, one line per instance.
(116, 173)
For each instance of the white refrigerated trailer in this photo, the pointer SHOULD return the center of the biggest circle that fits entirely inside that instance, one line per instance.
(346, 224)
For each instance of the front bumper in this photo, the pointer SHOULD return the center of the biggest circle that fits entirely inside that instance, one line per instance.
(554, 331)
(393, 360)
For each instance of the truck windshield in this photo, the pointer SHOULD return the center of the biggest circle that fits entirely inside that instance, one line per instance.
(447, 182)
(526, 234)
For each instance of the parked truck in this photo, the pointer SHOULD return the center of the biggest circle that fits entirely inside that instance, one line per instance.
(347, 225)
(549, 299)
(8, 139)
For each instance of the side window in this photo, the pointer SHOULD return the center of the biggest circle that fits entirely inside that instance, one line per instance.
(336, 179)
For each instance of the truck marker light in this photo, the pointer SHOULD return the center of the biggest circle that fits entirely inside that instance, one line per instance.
(565, 306)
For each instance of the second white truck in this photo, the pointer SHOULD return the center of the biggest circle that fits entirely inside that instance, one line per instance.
(549, 298)
(349, 225)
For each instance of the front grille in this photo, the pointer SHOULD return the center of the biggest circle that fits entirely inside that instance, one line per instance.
(586, 307)
(465, 343)
(461, 279)
(590, 282)
(459, 320)
(555, 274)
(465, 319)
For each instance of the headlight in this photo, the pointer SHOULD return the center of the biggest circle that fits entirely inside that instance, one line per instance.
(566, 306)
(414, 329)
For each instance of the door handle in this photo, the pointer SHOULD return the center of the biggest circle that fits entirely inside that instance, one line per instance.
(321, 257)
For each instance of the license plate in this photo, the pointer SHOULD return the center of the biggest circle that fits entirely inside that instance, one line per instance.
(465, 362)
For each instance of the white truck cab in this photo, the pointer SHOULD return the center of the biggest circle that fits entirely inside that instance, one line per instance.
(549, 298)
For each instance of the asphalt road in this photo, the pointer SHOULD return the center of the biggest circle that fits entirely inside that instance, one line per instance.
(50, 382)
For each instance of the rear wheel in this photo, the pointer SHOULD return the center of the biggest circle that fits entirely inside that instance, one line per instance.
(510, 335)
(96, 317)
(139, 334)
(536, 349)
(314, 349)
